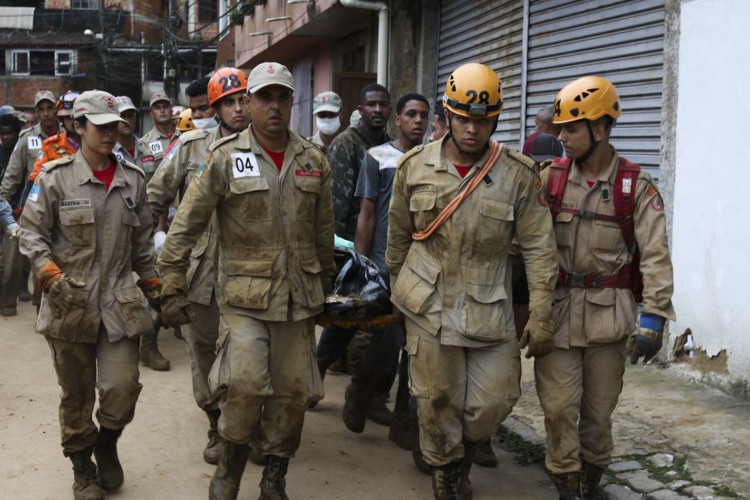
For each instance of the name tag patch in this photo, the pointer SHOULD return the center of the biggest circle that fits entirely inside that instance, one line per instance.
(83, 202)
(245, 165)
(34, 142)
(308, 173)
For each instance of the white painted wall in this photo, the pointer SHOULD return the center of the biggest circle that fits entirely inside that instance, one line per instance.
(711, 230)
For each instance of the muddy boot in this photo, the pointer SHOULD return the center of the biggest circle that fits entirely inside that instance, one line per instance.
(355, 410)
(416, 451)
(225, 483)
(150, 355)
(590, 479)
(567, 485)
(463, 490)
(273, 483)
(215, 445)
(445, 481)
(378, 412)
(254, 456)
(105, 451)
(485, 455)
(86, 485)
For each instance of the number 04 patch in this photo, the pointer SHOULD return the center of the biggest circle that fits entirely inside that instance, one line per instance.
(245, 165)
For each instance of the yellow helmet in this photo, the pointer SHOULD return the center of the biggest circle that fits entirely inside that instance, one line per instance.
(185, 120)
(474, 90)
(588, 98)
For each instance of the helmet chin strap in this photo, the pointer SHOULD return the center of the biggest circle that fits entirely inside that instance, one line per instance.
(594, 143)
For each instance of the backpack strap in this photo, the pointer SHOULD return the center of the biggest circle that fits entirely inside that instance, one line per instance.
(556, 181)
(624, 199)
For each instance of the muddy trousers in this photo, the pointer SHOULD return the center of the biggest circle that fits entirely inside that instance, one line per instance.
(201, 336)
(267, 373)
(578, 389)
(462, 394)
(11, 271)
(110, 367)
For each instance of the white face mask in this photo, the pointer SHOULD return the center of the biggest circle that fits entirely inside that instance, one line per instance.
(328, 126)
(203, 123)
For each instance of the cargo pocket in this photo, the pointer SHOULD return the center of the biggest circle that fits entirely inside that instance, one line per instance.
(416, 283)
(312, 286)
(422, 205)
(219, 375)
(130, 221)
(255, 203)
(482, 314)
(248, 284)
(78, 226)
(496, 224)
(307, 196)
(564, 233)
(418, 387)
(599, 316)
(135, 314)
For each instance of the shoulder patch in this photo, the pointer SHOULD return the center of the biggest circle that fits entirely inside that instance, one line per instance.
(222, 141)
(51, 165)
(193, 135)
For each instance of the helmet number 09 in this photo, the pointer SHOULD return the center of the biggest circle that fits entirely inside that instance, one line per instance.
(484, 97)
(229, 82)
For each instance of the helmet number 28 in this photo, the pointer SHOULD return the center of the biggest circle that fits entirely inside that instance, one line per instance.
(484, 97)
(229, 82)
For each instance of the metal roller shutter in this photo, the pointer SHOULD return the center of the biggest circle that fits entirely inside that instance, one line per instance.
(622, 40)
(490, 32)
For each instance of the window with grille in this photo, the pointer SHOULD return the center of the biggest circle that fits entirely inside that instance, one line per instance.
(208, 10)
(85, 4)
(43, 62)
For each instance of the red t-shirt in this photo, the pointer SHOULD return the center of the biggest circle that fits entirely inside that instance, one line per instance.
(590, 183)
(106, 175)
(132, 152)
(462, 170)
(278, 158)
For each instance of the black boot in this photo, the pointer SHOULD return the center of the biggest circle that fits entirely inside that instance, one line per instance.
(355, 409)
(86, 483)
(225, 484)
(463, 489)
(590, 479)
(150, 355)
(105, 451)
(445, 481)
(273, 483)
(568, 485)
(213, 450)
(485, 455)
(416, 450)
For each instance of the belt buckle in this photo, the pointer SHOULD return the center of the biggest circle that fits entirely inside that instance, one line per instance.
(576, 280)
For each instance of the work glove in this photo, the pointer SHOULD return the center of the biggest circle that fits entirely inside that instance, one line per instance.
(14, 230)
(646, 340)
(151, 288)
(176, 309)
(539, 337)
(159, 238)
(63, 296)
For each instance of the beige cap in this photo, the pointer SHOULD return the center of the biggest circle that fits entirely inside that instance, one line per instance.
(44, 95)
(159, 96)
(98, 107)
(327, 101)
(269, 73)
(125, 103)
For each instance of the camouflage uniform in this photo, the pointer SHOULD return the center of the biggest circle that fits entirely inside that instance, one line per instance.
(345, 156)
(464, 359)
(183, 162)
(276, 242)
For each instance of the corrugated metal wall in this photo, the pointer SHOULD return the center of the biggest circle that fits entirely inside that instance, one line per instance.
(619, 40)
(622, 40)
(490, 32)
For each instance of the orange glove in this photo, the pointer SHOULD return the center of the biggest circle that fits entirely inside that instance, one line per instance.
(48, 275)
(151, 288)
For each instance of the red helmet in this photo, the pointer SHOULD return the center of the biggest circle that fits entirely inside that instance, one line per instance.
(224, 82)
(65, 103)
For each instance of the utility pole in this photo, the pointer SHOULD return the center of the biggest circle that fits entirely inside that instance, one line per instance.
(171, 80)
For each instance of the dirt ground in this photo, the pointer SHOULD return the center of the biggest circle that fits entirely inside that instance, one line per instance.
(161, 451)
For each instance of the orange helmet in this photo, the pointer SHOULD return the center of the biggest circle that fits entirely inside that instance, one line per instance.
(588, 98)
(224, 82)
(65, 103)
(185, 120)
(474, 90)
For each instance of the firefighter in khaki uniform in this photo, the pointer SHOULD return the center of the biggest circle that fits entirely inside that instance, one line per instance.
(156, 141)
(453, 285)
(184, 161)
(86, 228)
(271, 192)
(594, 312)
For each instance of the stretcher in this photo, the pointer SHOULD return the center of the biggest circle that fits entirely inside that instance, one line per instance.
(382, 321)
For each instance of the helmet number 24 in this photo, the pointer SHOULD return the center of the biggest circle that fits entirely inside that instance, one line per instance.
(484, 97)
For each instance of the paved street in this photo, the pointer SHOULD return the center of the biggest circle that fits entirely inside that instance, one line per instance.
(161, 450)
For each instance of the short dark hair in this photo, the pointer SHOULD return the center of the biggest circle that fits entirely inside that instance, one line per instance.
(410, 97)
(197, 87)
(11, 121)
(440, 110)
(373, 87)
(82, 121)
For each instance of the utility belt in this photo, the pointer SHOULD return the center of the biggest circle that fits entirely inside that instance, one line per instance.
(595, 280)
